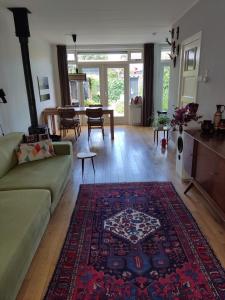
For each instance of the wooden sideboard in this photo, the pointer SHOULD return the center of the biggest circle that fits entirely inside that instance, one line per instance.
(204, 161)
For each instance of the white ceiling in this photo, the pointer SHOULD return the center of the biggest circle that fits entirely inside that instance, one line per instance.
(102, 21)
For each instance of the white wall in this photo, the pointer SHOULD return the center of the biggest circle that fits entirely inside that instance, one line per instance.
(41, 65)
(14, 116)
(206, 16)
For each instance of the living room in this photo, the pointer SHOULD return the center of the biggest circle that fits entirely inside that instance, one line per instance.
(131, 157)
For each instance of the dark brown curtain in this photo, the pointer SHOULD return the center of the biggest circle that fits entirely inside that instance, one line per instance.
(147, 112)
(63, 75)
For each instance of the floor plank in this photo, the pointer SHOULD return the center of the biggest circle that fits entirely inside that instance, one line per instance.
(132, 156)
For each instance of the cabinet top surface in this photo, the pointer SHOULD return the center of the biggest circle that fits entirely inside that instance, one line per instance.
(215, 143)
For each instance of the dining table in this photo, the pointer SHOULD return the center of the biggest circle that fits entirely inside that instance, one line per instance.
(81, 110)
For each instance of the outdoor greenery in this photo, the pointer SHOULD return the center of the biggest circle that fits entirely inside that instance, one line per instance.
(94, 89)
(161, 120)
(71, 69)
(115, 90)
(165, 95)
(115, 86)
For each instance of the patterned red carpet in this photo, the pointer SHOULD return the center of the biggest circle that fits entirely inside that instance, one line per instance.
(135, 241)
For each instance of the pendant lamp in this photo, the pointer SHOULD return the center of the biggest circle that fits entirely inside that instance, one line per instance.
(76, 76)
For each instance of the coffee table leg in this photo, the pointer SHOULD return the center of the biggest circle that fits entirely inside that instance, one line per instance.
(92, 160)
(82, 167)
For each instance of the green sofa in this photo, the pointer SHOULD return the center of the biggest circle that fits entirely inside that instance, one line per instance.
(29, 194)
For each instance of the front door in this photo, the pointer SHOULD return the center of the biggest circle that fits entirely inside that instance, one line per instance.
(189, 69)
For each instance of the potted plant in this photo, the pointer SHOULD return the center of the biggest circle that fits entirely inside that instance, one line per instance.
(162, 121)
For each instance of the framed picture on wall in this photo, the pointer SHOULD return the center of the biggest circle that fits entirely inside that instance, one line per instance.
(190, 59)
(43, 86)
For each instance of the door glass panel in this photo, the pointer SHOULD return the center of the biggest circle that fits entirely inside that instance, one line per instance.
(74, 92)
(165, 91)
(115, 83)
(136, 80)
(91, 87)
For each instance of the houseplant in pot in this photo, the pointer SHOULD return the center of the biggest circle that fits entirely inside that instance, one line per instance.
(161, 121)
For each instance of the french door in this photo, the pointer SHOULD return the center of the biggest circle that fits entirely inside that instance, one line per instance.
(107, 84)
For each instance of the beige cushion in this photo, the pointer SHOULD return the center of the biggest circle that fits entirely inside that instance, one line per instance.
(35, 151)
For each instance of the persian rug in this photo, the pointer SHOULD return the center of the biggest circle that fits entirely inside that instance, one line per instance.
(135, 241)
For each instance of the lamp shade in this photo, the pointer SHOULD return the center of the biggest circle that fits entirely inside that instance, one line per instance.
(77, 76)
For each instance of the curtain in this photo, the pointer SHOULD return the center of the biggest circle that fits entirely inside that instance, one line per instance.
(63, 75)
(147, 112)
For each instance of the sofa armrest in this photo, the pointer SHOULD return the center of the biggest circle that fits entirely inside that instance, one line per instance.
(63, 148)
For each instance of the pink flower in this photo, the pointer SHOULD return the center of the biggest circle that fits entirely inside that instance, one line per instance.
(183, 115)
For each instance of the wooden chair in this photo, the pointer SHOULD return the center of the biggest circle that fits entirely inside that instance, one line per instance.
(69, 120)
(95, 120)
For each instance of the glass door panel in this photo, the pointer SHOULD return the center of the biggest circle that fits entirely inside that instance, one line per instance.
(91, 87)
(165, 88)
(115, 90)
(136, 80)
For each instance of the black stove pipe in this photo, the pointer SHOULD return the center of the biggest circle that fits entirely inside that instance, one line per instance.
(20, 15)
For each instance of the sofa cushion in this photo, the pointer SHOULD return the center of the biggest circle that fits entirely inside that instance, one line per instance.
(35, 151)
(8, 145)
(24, 216)
(50, 174)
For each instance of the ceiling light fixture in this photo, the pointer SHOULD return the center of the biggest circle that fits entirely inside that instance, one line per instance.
(76, 76)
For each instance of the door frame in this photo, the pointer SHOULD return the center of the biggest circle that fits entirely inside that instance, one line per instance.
(193, 38)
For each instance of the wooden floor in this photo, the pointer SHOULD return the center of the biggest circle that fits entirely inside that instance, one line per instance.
(132, 156)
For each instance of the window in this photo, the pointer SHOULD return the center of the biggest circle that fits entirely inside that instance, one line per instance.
(165, 54)
(165, 78)
(70, 56)
(136, 80)
(74, 92)
(113, 78)
(71, 68)
(136, 55)
(83, 57)
(165, 88)
(91, 87)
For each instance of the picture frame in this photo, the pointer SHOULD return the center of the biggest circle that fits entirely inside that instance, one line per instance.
(43, 86)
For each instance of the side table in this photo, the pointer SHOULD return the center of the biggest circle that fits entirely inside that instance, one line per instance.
(85, 155)
(165, 130)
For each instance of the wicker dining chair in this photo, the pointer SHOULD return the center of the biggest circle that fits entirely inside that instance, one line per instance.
(69, 120)
(95, 120)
